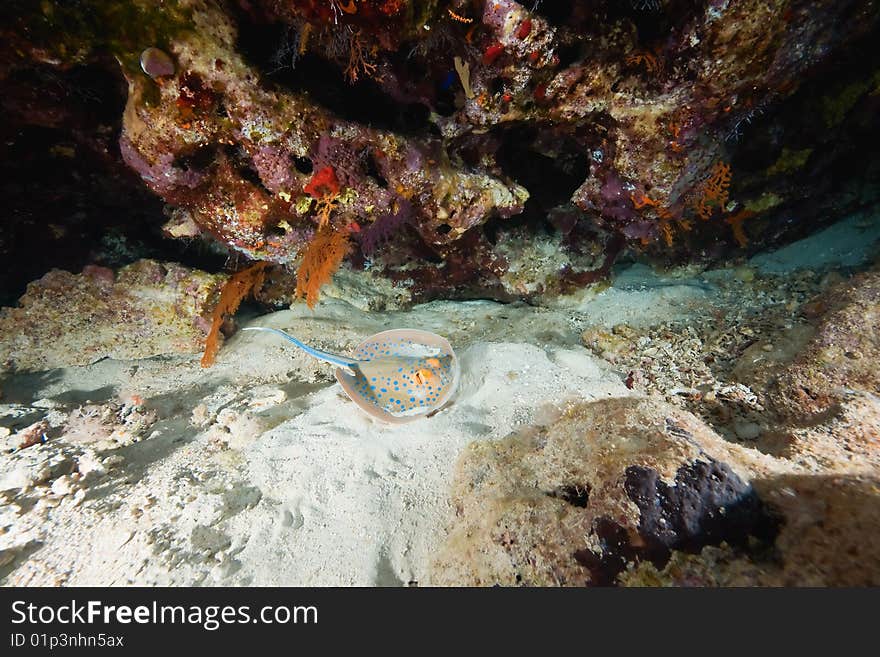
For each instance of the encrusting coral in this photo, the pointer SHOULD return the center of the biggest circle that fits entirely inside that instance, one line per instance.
(270, 129)
(713, 194)
(636, 492)
(143, 309)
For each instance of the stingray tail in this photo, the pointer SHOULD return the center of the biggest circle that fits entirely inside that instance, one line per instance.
(347, 363)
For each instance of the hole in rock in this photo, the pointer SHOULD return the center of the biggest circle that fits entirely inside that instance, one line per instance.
(303, 165)
(69, 200)
(551, 166)
(557, 12)
(268, 48)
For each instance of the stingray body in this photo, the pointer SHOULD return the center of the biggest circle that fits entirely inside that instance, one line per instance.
(396, 376)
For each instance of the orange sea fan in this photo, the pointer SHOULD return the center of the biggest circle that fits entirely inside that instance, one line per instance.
(641, 201)
(736, 223)
(714, 192)
(646, 59)
(321, 259)
(239, 286)
(665, 218)
(360, 57)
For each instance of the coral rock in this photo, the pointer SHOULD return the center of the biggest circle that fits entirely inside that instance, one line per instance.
(610, 483)
(635, 492)
(147, 308)
(841, 359)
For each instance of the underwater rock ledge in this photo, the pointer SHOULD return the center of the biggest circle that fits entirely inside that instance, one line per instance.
(145, 309)
(636, 492)
(472, 149)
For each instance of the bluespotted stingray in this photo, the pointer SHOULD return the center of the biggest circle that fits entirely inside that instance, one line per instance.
(396, 376)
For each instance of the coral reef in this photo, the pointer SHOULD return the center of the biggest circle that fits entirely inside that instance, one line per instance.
(840, 360)
(664, 101)
(358, 172)
(144, 309)
(713, 424)
(637, 492)
(608, 483)
(439, 131)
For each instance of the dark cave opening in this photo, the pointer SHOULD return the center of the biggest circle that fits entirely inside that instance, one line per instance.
(63, 217)
(654, 19)
(556, 12)
(568, 54)
(816, 133)
(198, 160)
(69, 199)
(549, 165)
(372, 169)
(802, 120)
(303, 164)
(267, 47)
(444, 102)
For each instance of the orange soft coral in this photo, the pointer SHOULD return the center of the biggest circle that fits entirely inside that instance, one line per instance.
(714, 192)
(646, 59)
(239, 286)
(321, 259)
(736, 223)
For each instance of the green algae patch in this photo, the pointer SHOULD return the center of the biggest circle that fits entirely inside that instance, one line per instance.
(763, 203)
(790, 160)
(72, 32)
(835, 108)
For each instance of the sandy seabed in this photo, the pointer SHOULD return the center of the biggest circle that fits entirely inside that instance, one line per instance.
(259, 471)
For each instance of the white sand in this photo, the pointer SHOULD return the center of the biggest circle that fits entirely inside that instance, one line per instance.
(283, 483)
(260, 471)
(357, 502)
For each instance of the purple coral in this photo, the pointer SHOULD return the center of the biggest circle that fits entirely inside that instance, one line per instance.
(383, 229)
